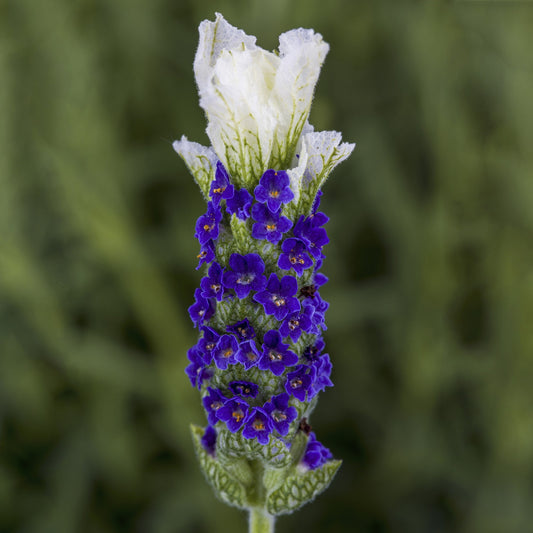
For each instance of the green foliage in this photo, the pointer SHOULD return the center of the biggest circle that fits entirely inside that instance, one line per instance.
(430, 263)
(228, 486)
(301, 488)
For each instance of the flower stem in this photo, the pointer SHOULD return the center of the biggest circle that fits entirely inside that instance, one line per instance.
(260, 521)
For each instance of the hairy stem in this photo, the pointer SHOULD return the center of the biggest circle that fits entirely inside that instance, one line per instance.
(260, 521)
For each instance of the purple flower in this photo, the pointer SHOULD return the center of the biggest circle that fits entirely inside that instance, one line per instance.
(276, 357)
(246, 274)
(269, 226)
(294, 255)
(323, 372)
(300, 381)
(207, 253)
(240, 204)
(243, 388)
(224, 352)
(257, 425)
(316, 454)
(309, 230)
(319, 316)
(207, 225)
(274, 189)
(214, 401)
(221, 187)
(280, 413)
(278, 298)
(211, 285)
(233, 413)
(247, 354)
(243, 330)
(201, 310)
(207, 343)
(209, 440)
(320, 279)
(312, 353)
(298, 322)
(196, 370)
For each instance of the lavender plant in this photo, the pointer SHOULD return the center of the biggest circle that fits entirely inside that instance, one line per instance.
(259, 363)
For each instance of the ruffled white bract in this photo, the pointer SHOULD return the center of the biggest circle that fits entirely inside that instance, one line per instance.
(257, 104)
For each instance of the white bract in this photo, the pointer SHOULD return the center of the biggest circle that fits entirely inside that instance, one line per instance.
(256, 102)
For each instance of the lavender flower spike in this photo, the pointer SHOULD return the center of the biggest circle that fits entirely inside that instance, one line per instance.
(259, 363)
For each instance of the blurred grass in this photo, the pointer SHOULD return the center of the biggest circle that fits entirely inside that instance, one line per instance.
(430, 262)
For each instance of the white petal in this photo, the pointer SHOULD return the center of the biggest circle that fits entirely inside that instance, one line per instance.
(241, 120)
(302, 53)
(200, 160)
(325, 152)
(214, 38)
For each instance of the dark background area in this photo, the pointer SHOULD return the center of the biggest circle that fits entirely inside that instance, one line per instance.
(430, 262)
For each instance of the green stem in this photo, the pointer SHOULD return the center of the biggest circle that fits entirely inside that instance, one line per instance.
(260, 521)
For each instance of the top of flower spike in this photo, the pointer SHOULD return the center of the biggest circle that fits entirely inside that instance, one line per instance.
(257, 102)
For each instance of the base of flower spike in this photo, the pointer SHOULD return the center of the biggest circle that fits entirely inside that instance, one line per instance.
(267, 490)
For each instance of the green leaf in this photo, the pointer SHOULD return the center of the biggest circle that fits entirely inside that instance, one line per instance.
(226, 486)
(300, 488)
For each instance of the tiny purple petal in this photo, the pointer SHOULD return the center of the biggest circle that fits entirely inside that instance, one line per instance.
(214, 401)
(207, 225)
(221, 187)
(247, 354)
(281, 414)
(244, 388)
(240, 204)
(246, 274)
(224, 352)
(316, 454)
(300, 381)
(258, 425)
(243, 330)
(209, 440)
(233, 413)
(274, 189)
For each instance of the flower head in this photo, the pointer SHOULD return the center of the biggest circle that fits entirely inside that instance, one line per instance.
(259, 360)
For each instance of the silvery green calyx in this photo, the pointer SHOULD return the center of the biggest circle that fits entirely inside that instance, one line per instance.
(260, 363)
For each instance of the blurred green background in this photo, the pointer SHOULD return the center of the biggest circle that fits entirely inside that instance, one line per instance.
(430, 262)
